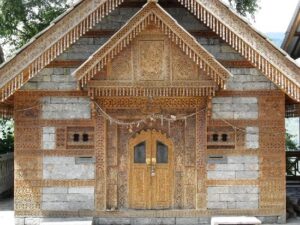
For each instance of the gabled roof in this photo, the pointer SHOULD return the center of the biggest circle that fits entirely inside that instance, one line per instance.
(52, 42)
(152, 13)
(274, 63)
(291, 42)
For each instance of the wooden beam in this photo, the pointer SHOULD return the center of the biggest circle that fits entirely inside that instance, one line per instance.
(77, 63)
(236, 63)
(196, 33)
(65, 64)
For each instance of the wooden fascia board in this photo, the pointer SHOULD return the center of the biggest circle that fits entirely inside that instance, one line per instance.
(273, 62)
(52, 42)
(152, 13)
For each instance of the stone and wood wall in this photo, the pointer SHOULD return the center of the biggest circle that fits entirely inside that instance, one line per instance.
(228, 159)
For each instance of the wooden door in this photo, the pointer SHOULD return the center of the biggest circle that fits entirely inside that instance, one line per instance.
(151, 171)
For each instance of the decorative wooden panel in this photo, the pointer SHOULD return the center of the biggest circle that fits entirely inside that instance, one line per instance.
(80, 132)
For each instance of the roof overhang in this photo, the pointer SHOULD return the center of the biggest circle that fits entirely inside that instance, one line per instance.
(152, 13)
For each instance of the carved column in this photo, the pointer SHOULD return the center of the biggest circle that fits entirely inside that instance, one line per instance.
(201, 145)
(100, 152)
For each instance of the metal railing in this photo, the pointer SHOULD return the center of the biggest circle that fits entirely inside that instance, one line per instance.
(293, 165)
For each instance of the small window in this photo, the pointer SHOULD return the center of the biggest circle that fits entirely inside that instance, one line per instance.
(215, 137)
(140, 153)
(224, 137)
(85, 137)
(76, 137)
(161, 153)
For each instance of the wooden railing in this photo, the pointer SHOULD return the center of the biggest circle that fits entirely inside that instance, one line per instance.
(293, 166)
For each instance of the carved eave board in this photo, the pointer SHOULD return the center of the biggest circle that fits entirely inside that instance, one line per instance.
(52, 42)
(274, 63)
(151, 34)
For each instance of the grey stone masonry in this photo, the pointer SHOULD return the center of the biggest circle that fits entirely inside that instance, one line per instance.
(66, 108)
(235, 108)
(233, 197)
(68, 198)
(252, 137)
(52, 79)
(248, 79)
(48, 140)
(67, 168)
(237, 167)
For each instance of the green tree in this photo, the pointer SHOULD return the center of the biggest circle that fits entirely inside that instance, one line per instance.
(290, 144)
(20, 20)
(245, 7)
(6, 136)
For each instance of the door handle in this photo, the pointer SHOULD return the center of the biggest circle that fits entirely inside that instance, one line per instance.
(148, 162)
(153, 164)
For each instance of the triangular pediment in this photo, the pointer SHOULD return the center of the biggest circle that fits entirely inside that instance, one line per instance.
(152, 15)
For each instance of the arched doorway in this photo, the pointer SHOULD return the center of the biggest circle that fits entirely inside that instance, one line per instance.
(151, 171)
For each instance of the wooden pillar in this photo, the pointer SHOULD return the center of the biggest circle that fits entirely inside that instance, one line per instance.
(100, 152)
(201, 144)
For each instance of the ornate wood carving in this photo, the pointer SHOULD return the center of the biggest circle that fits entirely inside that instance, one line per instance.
(249, 43)
(55, 40)
(100, 153)
(152, 14)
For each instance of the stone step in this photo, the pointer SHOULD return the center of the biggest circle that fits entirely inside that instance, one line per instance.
(67, 221)
(151, 221)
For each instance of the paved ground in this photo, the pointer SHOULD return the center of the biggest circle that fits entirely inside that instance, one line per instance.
(7, 211)
(7, 215)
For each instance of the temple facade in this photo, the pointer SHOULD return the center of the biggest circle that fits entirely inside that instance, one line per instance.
(146, 112)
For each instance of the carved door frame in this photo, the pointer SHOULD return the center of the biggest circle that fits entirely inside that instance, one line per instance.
(152, 185)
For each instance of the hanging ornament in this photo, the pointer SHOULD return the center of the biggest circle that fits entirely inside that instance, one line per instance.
(185, 121)
(173, 117)
(130, 129)
(169, 126)
(161, 120)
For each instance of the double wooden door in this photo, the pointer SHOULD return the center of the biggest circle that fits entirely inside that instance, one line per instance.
(151, 171)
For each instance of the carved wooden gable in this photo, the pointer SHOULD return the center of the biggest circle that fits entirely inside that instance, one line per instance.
(152, 60)
(152, 50)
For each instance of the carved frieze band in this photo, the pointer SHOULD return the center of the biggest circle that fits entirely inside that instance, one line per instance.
(54, 41)
(239, 35)
(154, 92)
(152, 13)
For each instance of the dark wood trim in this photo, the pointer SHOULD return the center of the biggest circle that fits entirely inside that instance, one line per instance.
(236, 63)
(65, 64)
(196, 33)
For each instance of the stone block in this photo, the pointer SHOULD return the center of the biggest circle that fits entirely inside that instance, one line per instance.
(151, 221)
(247, 205)
(213, 197)
(32, 221)
(187, 221)
(244, 100)
(222, 115)
(81, 190)
(247, 175)
(229, 167)
(55, 190)
(245, 115)
(222, 100)
(79, 197)
(112, 221)
(251, 166)
(242, 159)
(217, 205)
(220, 175)
(58, 160)
(228, 197)
(218, 190)
(54, 197)
(19, 221)
(48, 130)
